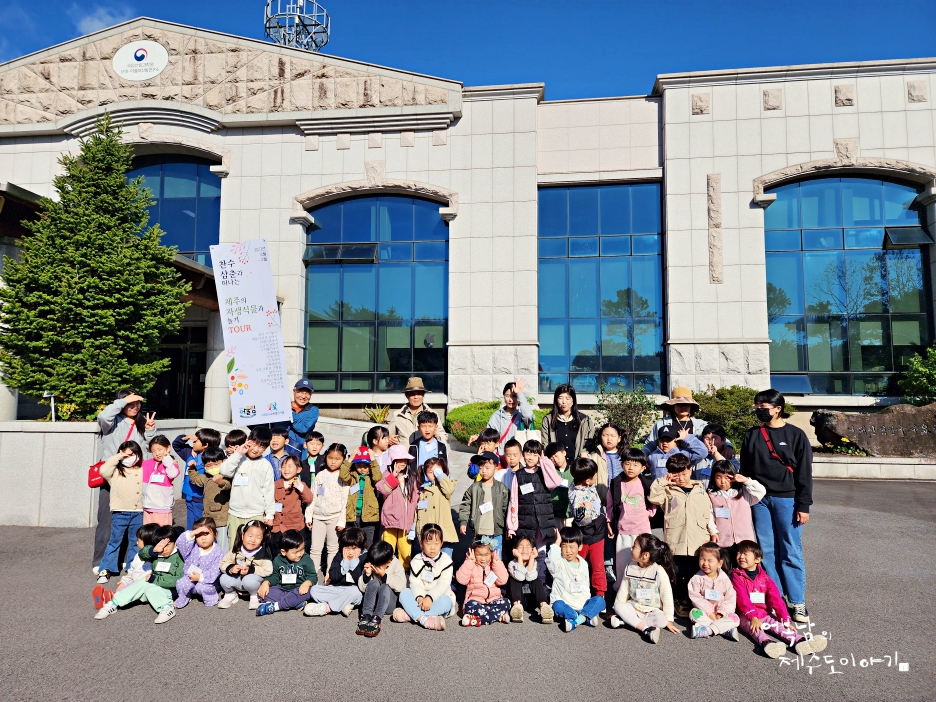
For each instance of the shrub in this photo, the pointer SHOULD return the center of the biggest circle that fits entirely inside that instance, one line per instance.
(632, 410)
(731, 407)
(378, 414)
(462, 422)
(918, 382)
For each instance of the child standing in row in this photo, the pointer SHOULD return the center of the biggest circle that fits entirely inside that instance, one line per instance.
(377, 442)
(713, 596)
(631, 511)
(525, 578)
(588, 515)
(340, 591)
(216, 489)
(158, 474)
(483, 574)
(191, 456)
(429, 598)
(291, 496)
(325, 515)
(483, 507)
(435, 501)
(289, 585)
(671, 441)
(279, 450)
(645, 597)
(246, 565)
(560, 495)
(488, 441)
(569, 597)
(233, 439)
(314, 460)
(361, 476)
(382, 581)
(732, 495)
(423, 443)
(202, 558)
(123, 474)
(531, 512)
(252, 491)
(400, 493)
(606, 457)
(513, 460)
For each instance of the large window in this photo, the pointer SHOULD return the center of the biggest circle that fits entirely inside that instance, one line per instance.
(600, 288)
(376, 295)
(187, 203)
(845, 285)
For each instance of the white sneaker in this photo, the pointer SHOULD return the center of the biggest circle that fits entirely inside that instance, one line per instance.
(254, 602)
(95, 570)
(774, 649)
(103, 577)
(315, 609)
(347, 609)
(616, 622)
(164, 615)
(108, 609)
(229, 600)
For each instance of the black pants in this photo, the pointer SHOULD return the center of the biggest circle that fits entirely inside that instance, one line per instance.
(686, 567)
(379, 599)
(103, 529)
(372, 530)
(537, 591)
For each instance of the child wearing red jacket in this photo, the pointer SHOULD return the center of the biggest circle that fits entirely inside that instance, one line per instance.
(762, 609)
(482, 574)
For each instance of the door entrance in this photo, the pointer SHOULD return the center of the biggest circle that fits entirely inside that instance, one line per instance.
(179, 393)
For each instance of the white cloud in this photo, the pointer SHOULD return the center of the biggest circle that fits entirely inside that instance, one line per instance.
(98, 17)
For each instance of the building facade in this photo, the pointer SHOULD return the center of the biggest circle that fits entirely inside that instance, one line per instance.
(757, 227)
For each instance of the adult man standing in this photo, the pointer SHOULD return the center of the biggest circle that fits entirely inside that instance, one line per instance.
(304, 417)
(403, 423)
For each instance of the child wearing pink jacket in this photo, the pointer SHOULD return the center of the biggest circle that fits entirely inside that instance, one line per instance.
(158, 474)
(483, 574)
(713, 596)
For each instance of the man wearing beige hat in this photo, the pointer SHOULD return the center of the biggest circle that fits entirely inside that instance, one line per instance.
(678, 412)
(403, 424)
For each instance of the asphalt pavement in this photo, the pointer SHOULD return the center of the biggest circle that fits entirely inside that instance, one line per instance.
(871, 588)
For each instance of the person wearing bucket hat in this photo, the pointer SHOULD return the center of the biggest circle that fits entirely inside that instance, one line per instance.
(404, 422)
(679, 412)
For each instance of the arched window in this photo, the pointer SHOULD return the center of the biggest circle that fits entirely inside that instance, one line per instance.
(187, 201)
(845, 285)
(376, 295)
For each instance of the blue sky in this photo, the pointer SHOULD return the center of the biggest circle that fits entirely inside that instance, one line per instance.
(589, 48)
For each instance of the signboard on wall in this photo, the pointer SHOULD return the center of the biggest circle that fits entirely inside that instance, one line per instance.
(140, 60)
(253, 338)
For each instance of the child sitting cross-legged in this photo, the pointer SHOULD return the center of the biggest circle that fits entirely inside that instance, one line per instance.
(202, 563)
(429, 597)
(246, 564)
(138, 569)
(570, 594)
(340, 591)
(293, 576)
(524, 579)
(382, 581)
(713, 596)
(483, 574)
(645, 597)
(762, 608)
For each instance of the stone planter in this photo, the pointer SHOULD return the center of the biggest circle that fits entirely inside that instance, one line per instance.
(873, 467)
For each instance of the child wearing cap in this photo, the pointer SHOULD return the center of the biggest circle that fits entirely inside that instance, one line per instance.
(363, 510)
(400, 490)
(483, 507)
(435, 501)
(671, 441)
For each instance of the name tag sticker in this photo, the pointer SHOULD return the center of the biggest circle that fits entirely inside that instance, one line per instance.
(320, 490)
(722, 513)
(240, 480)
(526, 488)
(713, 595)
(576, 586)
(422, 504)
(288, 579)
(157, 478)
(757, 598)
(564, 483)
(277, 506)
(163, 567)
(644, 593)
(354, 488)
(490, 579)
(486, 507)
(426, 575)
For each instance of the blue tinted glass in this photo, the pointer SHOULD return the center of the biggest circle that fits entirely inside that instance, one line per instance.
(179, 179)
(822, 239)
(583, 288)
(821, 203)
(783, 213)
(359, 220)
(645, 208)
(208, 222)
(396, 219)
(827, 383)
(615, 287)
(643, 245)
(585, 383)
(548, 382)
(788, 240)
(897, 199)
(432, 251)
(554, 346)
(787, 343)
(825, 343)
(323, 295)
(553, 208)
(583, 211)
(615, 246)
(583, 247)
(648, 346)
(177, 219)
(151, 178)
(428, 222)
(650, 383)
(209, 185)
(616, 349)
(784, 283)
(395, 291)
(553, 248)
(584, 345)
(553, 289)
(905, 280)
(153, 211)
(327, 228)
(647, 279)
(861, 202)
(395, 252)
(615, 209)
(824, 273)
(431, 291)
(864, 238)
(618, 382)
(429, 350)
(358, 291)
(357, 349)
(864, 281)
(394, 347)
(798, 384)
(869, 347)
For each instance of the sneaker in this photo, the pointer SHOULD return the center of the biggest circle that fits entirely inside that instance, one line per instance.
(109, 595)
(470, 620)
(400, 615)
(568, 625)
(164, 615)
(254, 602)
(229, 600)
(107, 609)
(315, 609)
(266, 608)
(651, 634)
(180, 603)
(347, 609)
(682, 609)
(363, 624)
(103, 577)
(505, 618)
(516, 613)
(594, 621)
(546, 614)
(435, 623)
(95, 570)
(616, 622)
(774, 649)
(732, 634)
(373, 627)
(700, 632)
(797, 612)
(816, 644)
(97, 594)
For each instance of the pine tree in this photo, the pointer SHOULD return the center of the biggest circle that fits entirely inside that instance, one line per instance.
(85, 308)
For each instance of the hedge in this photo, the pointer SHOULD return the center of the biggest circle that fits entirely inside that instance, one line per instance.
(462, 422)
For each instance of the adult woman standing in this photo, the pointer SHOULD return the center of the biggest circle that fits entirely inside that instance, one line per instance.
(566, 425)
(515, 411)
(779, 456)
(120, 421)
(679, 411)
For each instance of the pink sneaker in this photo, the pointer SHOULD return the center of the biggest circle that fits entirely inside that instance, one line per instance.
(433, 623)
(400, 615)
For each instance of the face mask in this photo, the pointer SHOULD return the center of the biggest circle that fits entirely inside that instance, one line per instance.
(763, 415)
(129, 461)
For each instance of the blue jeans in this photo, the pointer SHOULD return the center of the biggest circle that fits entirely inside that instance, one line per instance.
(440, 607)
(781, 539)
(592, 608)
(194, 509)
(121, 523)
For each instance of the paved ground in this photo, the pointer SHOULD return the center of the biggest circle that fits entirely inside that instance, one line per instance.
(872, 584)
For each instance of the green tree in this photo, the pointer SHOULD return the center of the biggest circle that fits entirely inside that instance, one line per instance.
(85, 308)
(918, 381)
(632, 410)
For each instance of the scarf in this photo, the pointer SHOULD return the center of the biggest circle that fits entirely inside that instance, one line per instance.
(347, 566)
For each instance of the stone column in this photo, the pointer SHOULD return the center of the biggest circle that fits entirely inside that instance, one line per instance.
(217, 402)
(9, 399)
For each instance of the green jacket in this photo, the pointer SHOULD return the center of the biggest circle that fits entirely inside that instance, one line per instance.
(560, 496)
(370, 511)
(165, 579)
(303, 570)
(469, 512)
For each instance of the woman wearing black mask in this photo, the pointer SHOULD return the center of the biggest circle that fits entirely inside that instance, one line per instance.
(779, 456)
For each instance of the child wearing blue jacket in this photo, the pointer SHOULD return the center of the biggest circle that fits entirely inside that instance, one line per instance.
(669, 443)
(191, 456)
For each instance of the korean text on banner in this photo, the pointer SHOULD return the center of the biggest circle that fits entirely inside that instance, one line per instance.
(253, 338)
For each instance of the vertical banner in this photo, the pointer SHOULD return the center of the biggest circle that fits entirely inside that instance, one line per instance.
(253, 338)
